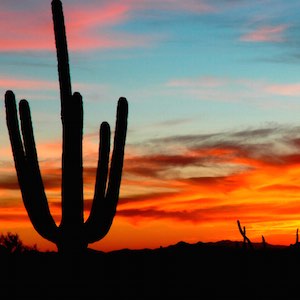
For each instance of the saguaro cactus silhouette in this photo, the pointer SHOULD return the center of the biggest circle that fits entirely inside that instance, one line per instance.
(73, 234)
(243, 233)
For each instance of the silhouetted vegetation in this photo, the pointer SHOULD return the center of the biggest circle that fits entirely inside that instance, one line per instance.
(11, 243)
(73, 235)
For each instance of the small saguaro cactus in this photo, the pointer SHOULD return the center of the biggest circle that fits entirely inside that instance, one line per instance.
(297, 244)
(243, 233)
(264, 244)
(73, 234)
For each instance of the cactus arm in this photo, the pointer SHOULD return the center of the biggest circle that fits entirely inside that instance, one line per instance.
(103, 161)
(242, 230)
(118, 152)
(15, 137)
(16, 144)
(93, 225)
(37, 205)
(104, 210)
(28, 173)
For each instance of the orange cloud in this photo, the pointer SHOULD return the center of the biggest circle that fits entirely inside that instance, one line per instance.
(203, 187)
(256, 187)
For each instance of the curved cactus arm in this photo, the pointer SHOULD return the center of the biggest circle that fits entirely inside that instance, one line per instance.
(38, 209)
(104, 208)
(103, 161)
(93, 225)
(118, 152)
(27, 168)
(15, 139)
(242, 231)
(117, 159)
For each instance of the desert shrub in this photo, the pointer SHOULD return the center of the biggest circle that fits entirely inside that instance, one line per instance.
(13, 244)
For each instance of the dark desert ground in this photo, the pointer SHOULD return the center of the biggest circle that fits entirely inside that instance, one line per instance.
(221, 270)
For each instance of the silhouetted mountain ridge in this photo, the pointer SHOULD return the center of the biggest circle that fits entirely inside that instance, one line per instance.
(182, 245)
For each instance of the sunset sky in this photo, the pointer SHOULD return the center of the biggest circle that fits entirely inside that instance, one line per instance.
(214, 114)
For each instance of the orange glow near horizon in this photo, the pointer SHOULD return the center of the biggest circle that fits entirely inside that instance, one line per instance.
(162, 201)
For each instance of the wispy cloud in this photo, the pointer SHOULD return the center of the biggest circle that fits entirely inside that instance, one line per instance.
(93, 25)
(19, 31)
(88, 27)
(229, 89)
(203, 81)
(194, 6)
(13, 83)
(48, 88)
(248, 166)
(252, 174)
(275, 34)
(291, 90)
